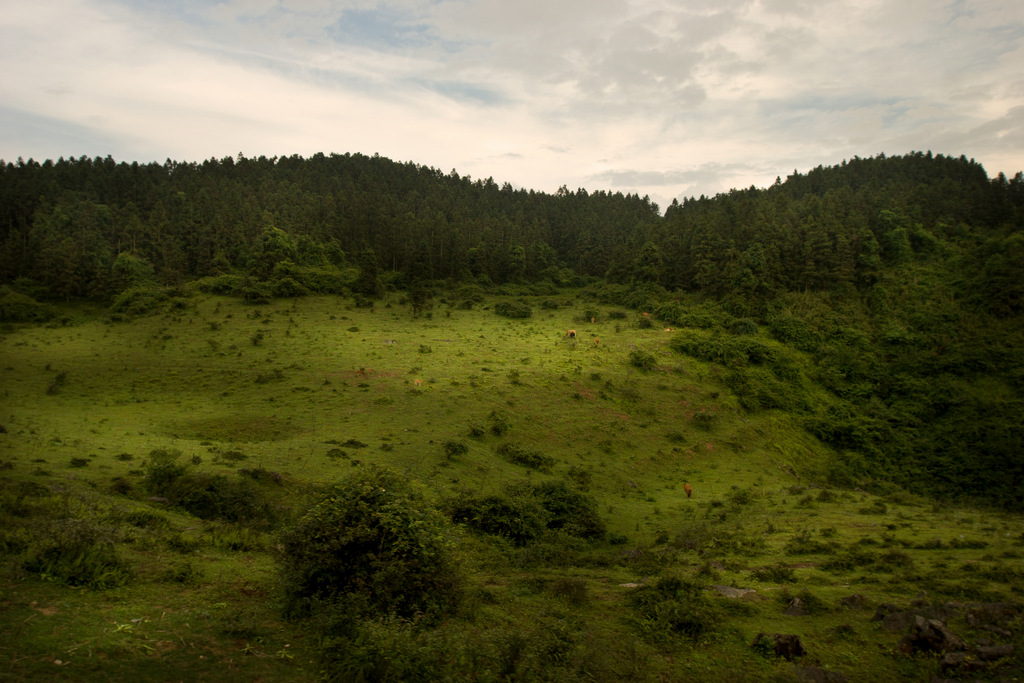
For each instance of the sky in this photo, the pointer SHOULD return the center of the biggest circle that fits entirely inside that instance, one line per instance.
(665, 98)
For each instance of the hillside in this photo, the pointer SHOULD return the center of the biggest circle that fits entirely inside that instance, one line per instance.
(597, 507)
(896, 281)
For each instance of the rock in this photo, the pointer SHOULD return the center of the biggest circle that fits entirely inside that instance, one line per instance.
(960, 662)
(994, 652)
(930, 635)
(159, 500)
(796, 608)
(785, 645)
(855, 601)
(883, 610)
(815, 674)
(991, 613)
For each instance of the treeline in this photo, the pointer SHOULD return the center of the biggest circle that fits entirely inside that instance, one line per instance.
(879, 301)
(65, 223)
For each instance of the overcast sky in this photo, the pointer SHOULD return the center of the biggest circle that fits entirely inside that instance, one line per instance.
(667, 98)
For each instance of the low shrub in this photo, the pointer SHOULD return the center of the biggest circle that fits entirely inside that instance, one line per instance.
(778, 573)
(674, 607)
(644, 360)
(520, 519)
(513, 309)
(78, 553)
(530, 459)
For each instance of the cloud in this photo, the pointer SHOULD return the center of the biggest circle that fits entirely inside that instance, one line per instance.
(646, 96)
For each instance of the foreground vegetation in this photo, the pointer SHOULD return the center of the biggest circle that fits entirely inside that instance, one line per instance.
(339, 487)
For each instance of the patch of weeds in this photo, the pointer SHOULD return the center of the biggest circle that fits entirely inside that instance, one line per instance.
(644, 360)
(810, 602)
(802, 543)
(78, 462)
(674, 607)
(236, 538)
(961, 543)
(337, 454)
(233, 456)
(453, 449)
(183, 572)
(183, 544)
(500, 423)
(530, 459)
(705, 419)
(894, 559)
(573, 591)
(125, 457)
(675, 437)
(78, 553)
(275, 375)
(877, 508)
(59, 380)
(778, 573)
(424, 348)
(144, 519)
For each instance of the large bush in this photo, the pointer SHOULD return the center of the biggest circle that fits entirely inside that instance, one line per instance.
(373, 543)
(513, 309)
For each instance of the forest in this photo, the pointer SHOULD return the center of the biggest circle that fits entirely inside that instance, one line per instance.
(901, 277)
(348, 419)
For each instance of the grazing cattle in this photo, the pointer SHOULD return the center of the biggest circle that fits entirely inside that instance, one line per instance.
(645, 314)
(668, 329)
(689, 490)
(571, 334)
(591, 320)
(418, 382)
(597, 342)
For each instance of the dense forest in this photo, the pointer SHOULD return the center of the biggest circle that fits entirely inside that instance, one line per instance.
(878, 301)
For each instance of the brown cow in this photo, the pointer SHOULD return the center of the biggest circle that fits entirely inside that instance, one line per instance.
(689, 490)
(597, 342)
(571, 334)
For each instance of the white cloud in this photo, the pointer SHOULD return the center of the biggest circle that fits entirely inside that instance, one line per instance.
(657, 97)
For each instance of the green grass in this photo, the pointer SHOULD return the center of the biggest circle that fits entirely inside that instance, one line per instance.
(330, 388)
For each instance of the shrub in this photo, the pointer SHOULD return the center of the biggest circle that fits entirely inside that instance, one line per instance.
(644, 360)
(779, 573)
(674, 606)
(743, 326)
(370, 540)
(138, 301)
(569, 510)
(517, 455)
(16, 307)
(513, 309)
(207, 496)
(453, 449)
(517, 518)
(77, 552)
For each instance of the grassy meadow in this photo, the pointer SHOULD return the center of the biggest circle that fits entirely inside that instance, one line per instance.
(295, 395)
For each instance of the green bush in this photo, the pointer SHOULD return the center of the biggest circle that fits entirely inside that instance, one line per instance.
(520, 519)
(513, 309)
(530, 459)
(207, 496)
(674, 606)
(370, 541)
(16, 307)
(644, 360)
(138, 301)
(79, 553)
(569, 510)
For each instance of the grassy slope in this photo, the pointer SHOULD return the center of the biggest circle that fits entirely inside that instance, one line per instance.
(194, 380)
